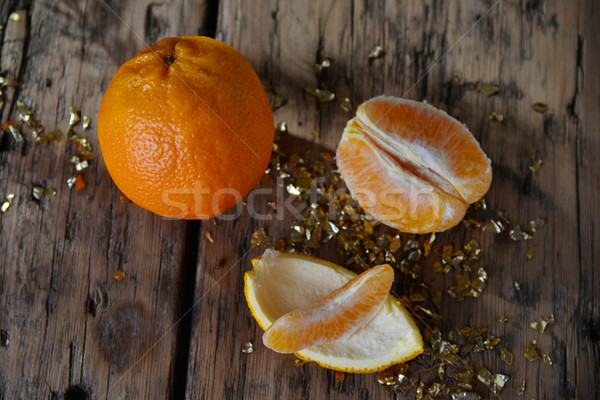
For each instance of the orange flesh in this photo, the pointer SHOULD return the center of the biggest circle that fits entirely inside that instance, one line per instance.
(412, 166)
(334, 317)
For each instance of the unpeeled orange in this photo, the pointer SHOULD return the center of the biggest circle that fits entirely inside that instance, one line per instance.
(412, 166)
(185, 127)
(280, 283)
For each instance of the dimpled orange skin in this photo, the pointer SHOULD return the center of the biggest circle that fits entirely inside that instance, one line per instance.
(185, 128)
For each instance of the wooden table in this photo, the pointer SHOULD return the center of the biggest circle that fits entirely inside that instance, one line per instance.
(175, 326)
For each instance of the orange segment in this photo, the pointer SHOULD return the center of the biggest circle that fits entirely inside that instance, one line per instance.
(412, 166)
(334, 317)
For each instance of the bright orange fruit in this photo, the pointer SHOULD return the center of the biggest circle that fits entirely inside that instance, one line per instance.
(412, 166)
(185, 127)
(334, 317)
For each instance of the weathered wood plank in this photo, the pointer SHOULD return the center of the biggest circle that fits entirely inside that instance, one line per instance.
(437, 51)
(58, 254)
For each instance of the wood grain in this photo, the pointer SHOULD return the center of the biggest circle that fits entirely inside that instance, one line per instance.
(434, 51)
(74, 330)
(176, 325)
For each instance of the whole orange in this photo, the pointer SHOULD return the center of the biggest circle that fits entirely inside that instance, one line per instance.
(185, 128)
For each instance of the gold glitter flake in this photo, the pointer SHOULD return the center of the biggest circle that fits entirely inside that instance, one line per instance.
(531, 352)
(491, 342)
(517, 285)
(506, 355)
(535, 166)
(491, 226)
(485, 376)
(346, 104)
(6, 202)
(504, 319)
(281, 126)
(463, 395)
(488, 89)
(547, 359)
(322, 64)
(540, 324)
(521, 388)
(536, 223)
(540, 107)
(530, 255)
(39, 192)
(496, 117)
(86, 122)
(498, 384)
(73, 116)
(323, 95)
(260, 238)
(209, 237)
(119, 275)
(517, 234)
(376, 52)
(248, 348)
(15, 17)
(277, 101)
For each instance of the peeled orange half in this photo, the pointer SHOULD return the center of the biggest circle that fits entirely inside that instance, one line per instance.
(412, 166)
(281, 283)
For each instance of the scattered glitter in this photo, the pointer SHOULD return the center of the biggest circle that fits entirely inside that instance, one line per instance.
(517, 286)
(536, 223)
(539, 107)
(39, 192)
(517, 234)
(521, 388)
(547, 359)
(504, 319)
(506, 355)
(535, 166)
(496, 117)
(322, 64)
(248, 348)
(488, 89)
(540, 324)
(323, 95)
(346, 104)
(15, 17)
(86, 122)
(209, 237)
(491, 226)
(531, 352)
(119, 275)
(260, 238)
(281, 126)
(530, 255)
(6, 202)
(277, 101)
(73, 116)
(377, 52)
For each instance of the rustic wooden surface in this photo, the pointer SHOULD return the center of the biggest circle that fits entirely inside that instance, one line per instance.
(175, 326)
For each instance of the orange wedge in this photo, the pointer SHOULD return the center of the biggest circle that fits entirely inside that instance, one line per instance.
(412, 166)
(280, 283)
(334, 317)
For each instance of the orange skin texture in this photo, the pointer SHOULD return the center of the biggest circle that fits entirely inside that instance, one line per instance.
(185, 128)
